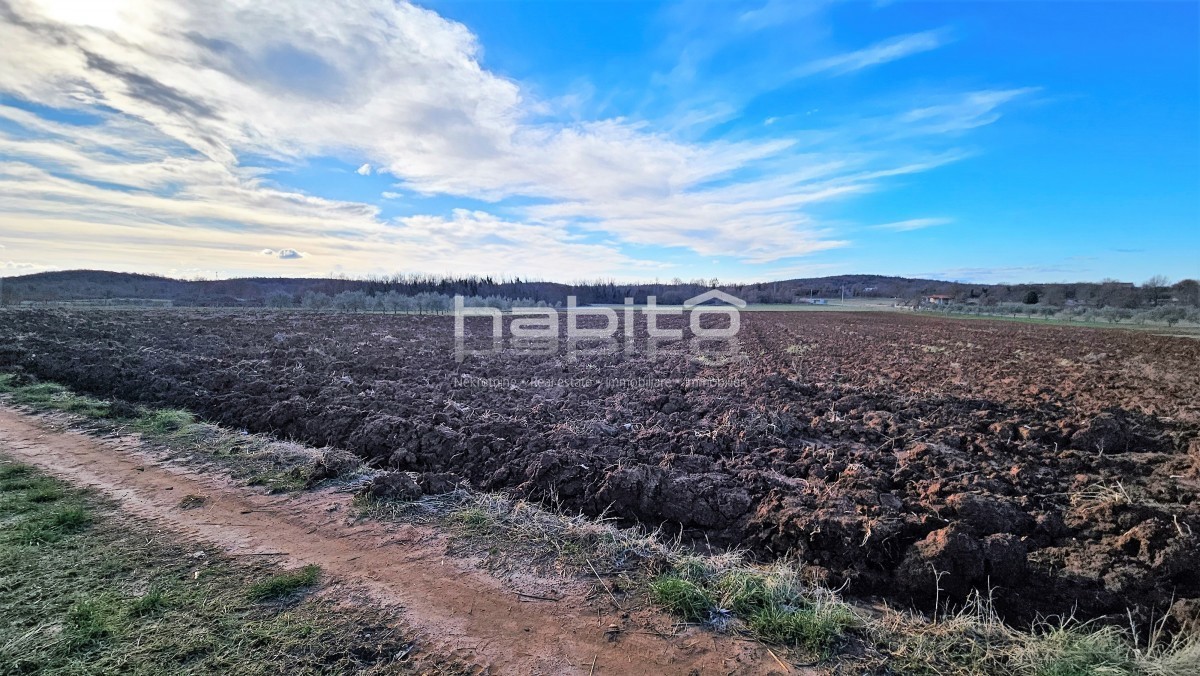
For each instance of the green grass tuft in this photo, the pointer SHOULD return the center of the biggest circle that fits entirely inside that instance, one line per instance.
(693, 569)
(22, 491)
(682, 597)
(774, 604)
(52, 396)
(163, 422)
(814, 627)
(45, 494)
(744, 592)
(150, 603)
(475, 520)
(1076, 651)
(14, 471)
(91, 620)
(283, 584)
(281, 480)
(51, 526)
(71, 518)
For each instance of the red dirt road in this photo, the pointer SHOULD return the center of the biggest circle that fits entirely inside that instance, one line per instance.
(456, 609)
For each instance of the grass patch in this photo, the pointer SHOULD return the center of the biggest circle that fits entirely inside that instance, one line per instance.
(163, 422)
(281, 480)
(682, 597)
(475, 520)
(768, 603)
(284, 584)
(772, 603)
(52, 396)
(974, 640)
(48, 526)
(14, 471)
(152, 602)
(1068, 651)
(45, 494)
(256, 459)
(90, 620)
(111, 597)
(816, 627)
(744, 592)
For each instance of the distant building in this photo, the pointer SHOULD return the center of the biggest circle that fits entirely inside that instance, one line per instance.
(938, 299)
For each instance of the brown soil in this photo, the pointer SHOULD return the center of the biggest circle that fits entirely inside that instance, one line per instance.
(878, 448)
(457, 610)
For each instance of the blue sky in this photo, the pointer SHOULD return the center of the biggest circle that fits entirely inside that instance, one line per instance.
(976, 141)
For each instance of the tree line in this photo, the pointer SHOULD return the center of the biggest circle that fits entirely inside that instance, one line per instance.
(421, 290)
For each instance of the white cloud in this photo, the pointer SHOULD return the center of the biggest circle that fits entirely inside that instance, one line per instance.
(364, 170)
(186, 92)
(912, 224)
(189, 214)
(391, 195)
(283, 254)
(15, 269)
(879, 53)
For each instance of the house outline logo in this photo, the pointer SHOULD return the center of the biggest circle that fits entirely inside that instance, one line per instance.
(729, 299)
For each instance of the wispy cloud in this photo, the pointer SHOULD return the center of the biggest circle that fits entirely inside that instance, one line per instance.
(962, 112)
(912, 224)
(1000, 275)
(879, 53)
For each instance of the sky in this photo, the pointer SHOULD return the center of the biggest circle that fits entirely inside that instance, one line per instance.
(981, 142)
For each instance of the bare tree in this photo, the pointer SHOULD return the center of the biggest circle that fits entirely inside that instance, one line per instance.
(1156, 287)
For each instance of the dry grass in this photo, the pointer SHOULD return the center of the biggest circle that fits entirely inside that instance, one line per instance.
(975, 640)
(1101, 495)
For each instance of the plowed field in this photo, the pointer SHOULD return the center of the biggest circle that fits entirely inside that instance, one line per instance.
(910, 457)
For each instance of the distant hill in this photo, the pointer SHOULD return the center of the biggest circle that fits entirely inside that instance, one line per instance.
(81, 285)
(76, 285)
